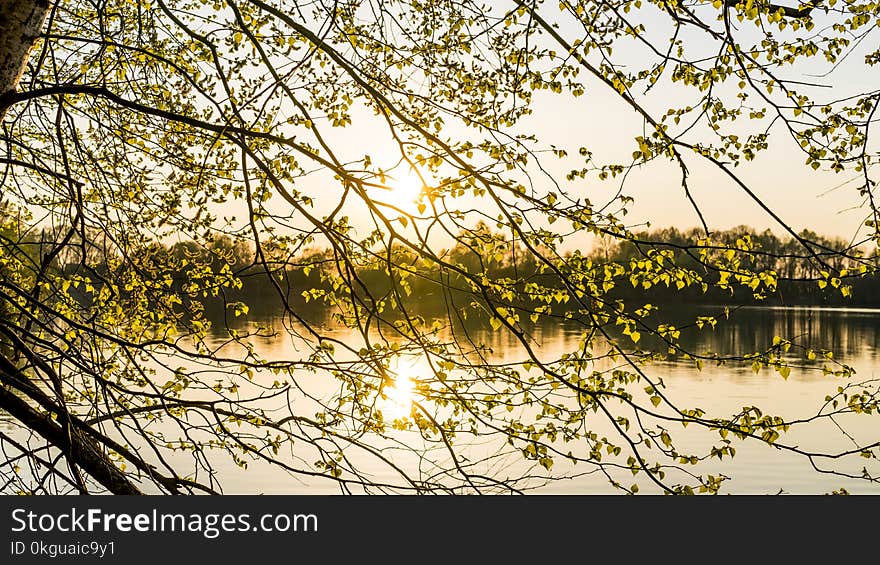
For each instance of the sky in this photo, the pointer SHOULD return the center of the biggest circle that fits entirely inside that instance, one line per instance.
(821, 201)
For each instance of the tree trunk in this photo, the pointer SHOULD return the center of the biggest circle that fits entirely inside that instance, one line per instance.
(20, 25)
(85, 454)
(81, 449)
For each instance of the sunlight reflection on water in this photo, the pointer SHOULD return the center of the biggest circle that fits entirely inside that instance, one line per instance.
(720, 390)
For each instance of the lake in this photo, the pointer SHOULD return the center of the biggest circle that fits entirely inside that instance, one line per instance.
(852, 335)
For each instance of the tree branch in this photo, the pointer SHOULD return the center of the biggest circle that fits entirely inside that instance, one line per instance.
(801, 11)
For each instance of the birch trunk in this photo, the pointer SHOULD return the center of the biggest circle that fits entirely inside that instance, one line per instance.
(20, 25)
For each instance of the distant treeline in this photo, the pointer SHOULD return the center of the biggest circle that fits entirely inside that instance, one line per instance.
(798, 270)
(306, 279)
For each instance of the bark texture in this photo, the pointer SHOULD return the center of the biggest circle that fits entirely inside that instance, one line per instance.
(20, 25)
(81, 449)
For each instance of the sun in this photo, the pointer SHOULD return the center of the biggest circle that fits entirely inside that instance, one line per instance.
(403, 194)
(408, 189)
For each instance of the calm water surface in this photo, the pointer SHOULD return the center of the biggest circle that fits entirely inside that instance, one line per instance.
(852, 334)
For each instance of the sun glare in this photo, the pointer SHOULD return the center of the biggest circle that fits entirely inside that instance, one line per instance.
(407, 190)
(400, 394)
(398, 398)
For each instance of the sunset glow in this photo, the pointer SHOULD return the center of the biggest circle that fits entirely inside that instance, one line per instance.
(398, 399)
(406, 191)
